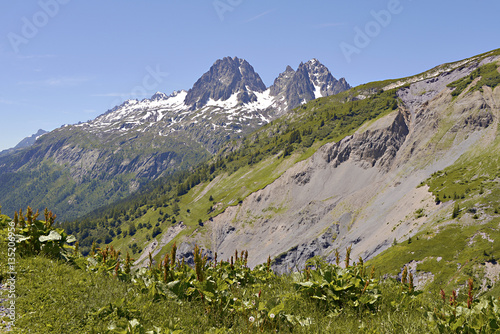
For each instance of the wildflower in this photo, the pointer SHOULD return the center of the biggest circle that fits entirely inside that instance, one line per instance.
(470, 296)
(271, 315)
(251, 319)
(235, 299)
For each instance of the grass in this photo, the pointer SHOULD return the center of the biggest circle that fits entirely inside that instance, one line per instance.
(487, 75)
(77, 296)
(472, 179)
(461, 249)
(53, 297)
(224, 190)
(56, 296)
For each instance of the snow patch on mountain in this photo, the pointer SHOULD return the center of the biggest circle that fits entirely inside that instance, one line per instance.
(264, 101)
(231, 102)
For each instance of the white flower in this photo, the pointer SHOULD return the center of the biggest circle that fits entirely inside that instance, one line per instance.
(235, 299)
(271, 315)
(251, 319)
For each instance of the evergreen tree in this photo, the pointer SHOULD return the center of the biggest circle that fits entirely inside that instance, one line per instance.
(456, 211)
(131, 229)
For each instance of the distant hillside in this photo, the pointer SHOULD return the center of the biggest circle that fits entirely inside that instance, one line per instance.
(26, 142)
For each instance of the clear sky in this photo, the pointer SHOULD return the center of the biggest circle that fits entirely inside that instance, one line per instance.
(65, 61)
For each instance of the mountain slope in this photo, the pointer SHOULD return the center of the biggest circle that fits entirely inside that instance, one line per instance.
(77, 168)
(226, 77)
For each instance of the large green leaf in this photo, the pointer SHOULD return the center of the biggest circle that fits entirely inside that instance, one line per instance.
(20, 238)
(53, 236)
(70, 239)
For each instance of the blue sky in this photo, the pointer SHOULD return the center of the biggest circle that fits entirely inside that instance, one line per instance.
(65, 61)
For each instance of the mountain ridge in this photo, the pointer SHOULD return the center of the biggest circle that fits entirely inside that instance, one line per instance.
(138, 141)
(26, 142)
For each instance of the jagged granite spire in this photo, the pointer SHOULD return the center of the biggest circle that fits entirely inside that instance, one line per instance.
(226, 77)
(311, 80)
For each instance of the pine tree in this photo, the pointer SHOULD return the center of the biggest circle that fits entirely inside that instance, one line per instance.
(456, 211)
(131, 229)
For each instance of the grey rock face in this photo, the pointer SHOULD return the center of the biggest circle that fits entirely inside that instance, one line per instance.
(320, 77)
(281, 82)
(225, 78)
(295, 258)
(371, 147)
(481, 119)
(159, 96)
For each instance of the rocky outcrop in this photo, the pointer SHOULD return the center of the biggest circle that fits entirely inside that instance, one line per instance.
(480, 120)
(371, 147)
(295, 258)
(282, 81)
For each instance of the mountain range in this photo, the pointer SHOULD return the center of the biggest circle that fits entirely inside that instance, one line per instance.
(77, 168)
(403, 173)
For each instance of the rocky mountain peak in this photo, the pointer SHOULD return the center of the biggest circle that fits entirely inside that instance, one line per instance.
(226, 77)
(311, 80)
(282, 81)
(158, 96)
